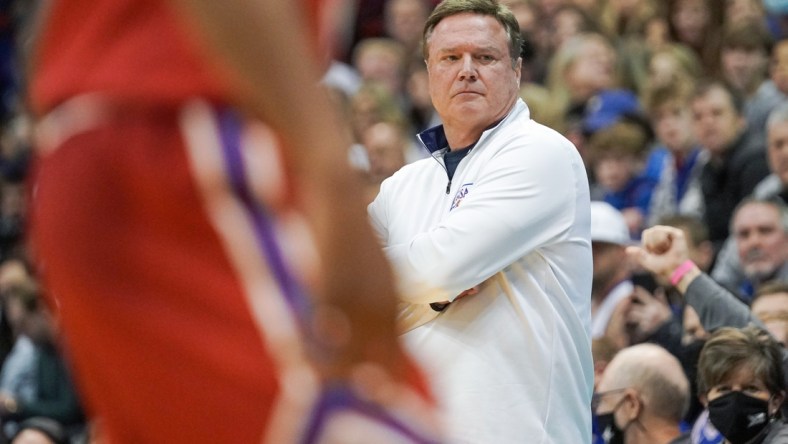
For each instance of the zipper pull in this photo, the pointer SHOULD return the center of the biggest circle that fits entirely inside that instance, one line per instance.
(448, 186)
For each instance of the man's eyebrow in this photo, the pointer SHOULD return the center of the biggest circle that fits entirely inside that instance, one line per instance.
(489, 48)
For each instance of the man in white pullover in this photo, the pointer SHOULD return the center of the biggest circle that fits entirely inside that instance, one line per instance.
(491, 242)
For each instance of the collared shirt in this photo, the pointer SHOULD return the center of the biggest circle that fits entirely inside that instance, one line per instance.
(512, 363)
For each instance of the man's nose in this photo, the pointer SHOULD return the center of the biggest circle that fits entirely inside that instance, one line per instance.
(468, 68)
(752, 242)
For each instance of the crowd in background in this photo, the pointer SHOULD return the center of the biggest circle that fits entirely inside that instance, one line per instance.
(678, 108)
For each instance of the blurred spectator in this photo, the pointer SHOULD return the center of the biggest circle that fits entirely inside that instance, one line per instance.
(55, 395)
(760, 230)
(603, 350)
(403, 22)
(13, 273)
(536, 47)
(627, 18)
(541, 105)
(773, 92)
(697, 24)
(770, 305)
(616, 155)
(777, 17)
(372, 18)
(648, 317)
(569, 21)
(15, 158)
(778, 70)
(744, 11)
(526, 13)
(642, 397)
(728, 269)
(734, 166)
(15, 153)
(657, 33)
(745, 61)
(672, 63)
(612, 281)
(19, 370)
(741, 380)
(337, 28)
(421, 113)
(535, 52)
(549, 7)
(665, 253)
(776, 184)
(636, 29)
(609, 107)
(744, 56)
(677, 160)
(13, 211)
(342, 78)
(382, 60)
(582, 67)
(595, 9)
(386, 145)
(372, 103)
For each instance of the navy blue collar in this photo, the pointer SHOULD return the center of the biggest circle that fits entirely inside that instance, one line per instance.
(434, 138)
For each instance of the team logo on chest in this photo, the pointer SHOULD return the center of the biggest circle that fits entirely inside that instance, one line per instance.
(461, 193)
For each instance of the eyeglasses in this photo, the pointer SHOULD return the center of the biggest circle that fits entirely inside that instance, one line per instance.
(597, 398)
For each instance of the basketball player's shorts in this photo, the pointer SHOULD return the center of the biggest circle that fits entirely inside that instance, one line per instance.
(179, 291)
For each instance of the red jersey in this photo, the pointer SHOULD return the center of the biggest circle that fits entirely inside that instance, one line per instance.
(178, 292)
(136, 51)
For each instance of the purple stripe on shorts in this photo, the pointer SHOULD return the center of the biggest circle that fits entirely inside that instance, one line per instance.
(230, 127)
(333, 397)
(340, 397)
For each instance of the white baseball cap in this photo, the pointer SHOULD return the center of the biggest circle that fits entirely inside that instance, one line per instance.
(608, 225)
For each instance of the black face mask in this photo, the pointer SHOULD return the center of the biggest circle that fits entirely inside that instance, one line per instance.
(611, 434)
(739, 417)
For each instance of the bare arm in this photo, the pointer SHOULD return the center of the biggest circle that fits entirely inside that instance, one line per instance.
(265, 44)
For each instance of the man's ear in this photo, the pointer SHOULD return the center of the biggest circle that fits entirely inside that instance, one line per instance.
(633, 404)
(704, 400)
(776, 402)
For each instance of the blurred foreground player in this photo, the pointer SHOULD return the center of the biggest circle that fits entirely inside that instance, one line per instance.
(173, 233)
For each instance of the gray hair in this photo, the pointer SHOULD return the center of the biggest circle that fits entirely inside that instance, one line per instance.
(775, 202)
(505, 17)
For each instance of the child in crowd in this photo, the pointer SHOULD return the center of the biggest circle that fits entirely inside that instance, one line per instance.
(677, 160)
(616, 154)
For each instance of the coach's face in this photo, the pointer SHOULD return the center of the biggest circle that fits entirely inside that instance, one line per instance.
(473, 82)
